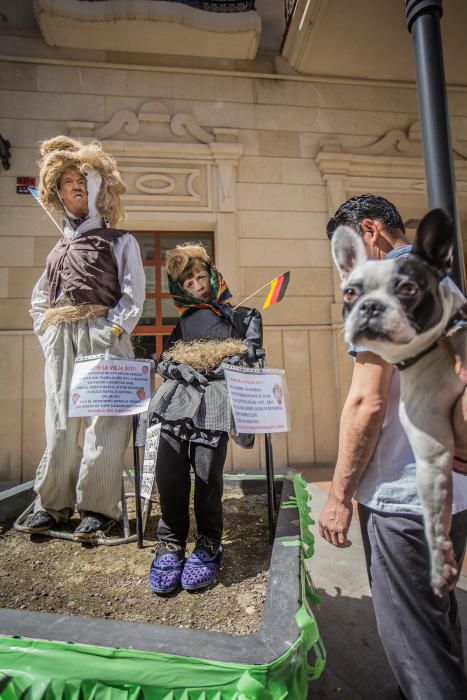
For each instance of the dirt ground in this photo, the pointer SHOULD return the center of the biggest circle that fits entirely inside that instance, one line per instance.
(52, 575)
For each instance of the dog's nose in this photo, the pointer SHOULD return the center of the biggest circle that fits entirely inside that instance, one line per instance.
(371, 307)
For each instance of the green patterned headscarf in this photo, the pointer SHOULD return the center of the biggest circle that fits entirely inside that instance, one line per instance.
(185, 302)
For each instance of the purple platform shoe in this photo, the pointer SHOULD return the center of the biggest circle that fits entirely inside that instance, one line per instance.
(166, 568)
(202, 566)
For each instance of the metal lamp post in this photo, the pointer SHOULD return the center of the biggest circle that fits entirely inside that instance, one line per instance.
(423, 21)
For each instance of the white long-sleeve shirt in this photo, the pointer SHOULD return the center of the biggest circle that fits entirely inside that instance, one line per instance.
(126, 313)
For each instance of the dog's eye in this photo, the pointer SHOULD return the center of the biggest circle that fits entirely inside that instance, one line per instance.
(407, 289)
(350, 294)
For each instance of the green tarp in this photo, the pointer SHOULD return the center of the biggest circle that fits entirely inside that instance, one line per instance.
(45, 670)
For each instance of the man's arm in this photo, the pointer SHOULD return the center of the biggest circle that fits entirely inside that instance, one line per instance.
(360, 426)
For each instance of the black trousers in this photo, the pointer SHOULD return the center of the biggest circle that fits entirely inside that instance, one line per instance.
(175, 458)
(420, 632)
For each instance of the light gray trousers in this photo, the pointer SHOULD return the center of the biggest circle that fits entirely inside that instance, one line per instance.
(89, 477)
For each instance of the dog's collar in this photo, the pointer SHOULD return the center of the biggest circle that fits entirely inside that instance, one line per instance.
(405, 364)
(456, 323)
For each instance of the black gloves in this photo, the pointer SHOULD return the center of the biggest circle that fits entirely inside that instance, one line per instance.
(181, 372)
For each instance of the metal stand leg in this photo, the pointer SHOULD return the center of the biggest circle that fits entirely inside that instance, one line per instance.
(139, 522)
(126, 524)
(272, 496)
(271, 487)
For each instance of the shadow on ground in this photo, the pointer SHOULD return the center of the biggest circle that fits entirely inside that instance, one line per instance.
(356, 666)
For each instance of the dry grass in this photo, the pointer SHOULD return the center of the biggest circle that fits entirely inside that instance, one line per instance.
(205, 354)
(70, 313)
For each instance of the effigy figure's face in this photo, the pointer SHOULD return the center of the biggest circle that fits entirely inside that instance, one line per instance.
(199, 286)
(73, 191)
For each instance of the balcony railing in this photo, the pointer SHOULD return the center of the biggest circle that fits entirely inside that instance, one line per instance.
(219, 29)
(208, 5)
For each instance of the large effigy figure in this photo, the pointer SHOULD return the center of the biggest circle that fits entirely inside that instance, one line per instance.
(193, 408)
(87, 301)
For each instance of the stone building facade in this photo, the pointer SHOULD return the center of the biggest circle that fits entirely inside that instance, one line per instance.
(248, 158)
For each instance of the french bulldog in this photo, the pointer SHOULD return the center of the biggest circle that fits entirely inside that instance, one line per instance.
(402, 310)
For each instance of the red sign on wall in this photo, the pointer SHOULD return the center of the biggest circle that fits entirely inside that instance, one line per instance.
(22, 184)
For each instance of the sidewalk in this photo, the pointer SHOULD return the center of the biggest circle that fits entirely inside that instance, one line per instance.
(356, 666)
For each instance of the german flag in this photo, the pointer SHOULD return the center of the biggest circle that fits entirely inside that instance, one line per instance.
(277, 289)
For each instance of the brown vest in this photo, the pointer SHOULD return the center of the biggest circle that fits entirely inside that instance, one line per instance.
(84, 268)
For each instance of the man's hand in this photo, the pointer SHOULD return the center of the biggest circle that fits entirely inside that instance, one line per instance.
(334, 522)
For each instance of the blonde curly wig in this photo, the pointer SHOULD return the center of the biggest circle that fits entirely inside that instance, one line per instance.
(63, 153)
(186, 259)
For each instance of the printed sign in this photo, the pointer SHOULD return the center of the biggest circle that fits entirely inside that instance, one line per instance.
(151, 446)
(23, 183)
(107, 386)
(257, 397)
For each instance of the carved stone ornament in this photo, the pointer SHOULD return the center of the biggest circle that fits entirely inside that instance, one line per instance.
(396, 141)
(169, 161)
(152, 113)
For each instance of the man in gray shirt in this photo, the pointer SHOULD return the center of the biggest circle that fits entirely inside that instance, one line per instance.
(420, 632)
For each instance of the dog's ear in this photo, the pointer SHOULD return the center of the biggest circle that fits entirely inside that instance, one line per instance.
(348, 251)
(435, 238)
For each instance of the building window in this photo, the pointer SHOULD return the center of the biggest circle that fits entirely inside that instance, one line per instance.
(159, 313)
